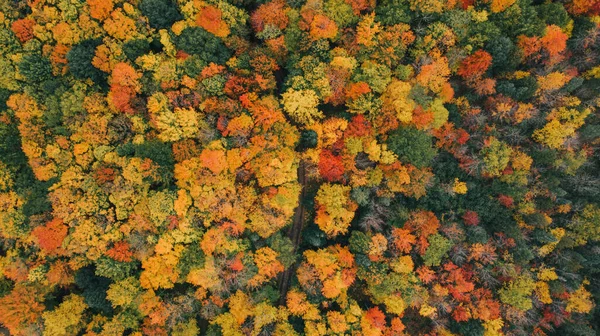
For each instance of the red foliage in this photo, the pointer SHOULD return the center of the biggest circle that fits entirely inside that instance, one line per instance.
(506, 201)
(331, 166)
(466, 3)
(475, 65)
(470, 218)
(359, 126)
(23, 29)
(51, 235)
(337, 81)
(461, 314)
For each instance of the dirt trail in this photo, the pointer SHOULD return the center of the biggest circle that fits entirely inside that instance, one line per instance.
(295, 234)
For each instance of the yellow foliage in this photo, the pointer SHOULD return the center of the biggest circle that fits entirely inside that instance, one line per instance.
(335, 209)
(403, 264)
(124, 292)
(366, 30)
(543, 292)
(396, 96)
(65, 320)
(302, 106)
(547, 274)
(558, 233)
(580, 301)
(500, 5)
(160, 271)
(493, 327)
(427, 310)
(240, 307)
(337, 321)
(459, 187)
(395, 304)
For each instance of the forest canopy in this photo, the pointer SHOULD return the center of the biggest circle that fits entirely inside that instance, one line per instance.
(300, 167)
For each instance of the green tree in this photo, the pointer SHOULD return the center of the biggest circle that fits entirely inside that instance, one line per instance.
(412, 146)
(160, 13)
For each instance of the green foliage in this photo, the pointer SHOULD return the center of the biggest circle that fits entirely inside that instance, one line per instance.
(35, 68)
(197, 41)
(160, 13)
(438, 247)
(136, 48)
(80, 62)
(412, 146)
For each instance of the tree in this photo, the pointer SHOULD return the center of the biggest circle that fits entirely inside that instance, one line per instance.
(197, 41)
(412, 146)
(475, 65)
(66, 319)
(21, 309)
(80, 61)
(335, 209)
(35, 68)
(302, 106)
(160, 13)
(50, 236)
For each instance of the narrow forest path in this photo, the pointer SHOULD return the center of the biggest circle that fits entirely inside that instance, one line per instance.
(295, 234)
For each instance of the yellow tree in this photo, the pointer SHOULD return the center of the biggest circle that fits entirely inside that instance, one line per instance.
(335, 209)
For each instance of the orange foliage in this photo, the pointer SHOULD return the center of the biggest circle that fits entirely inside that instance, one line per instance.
(323, 27)
(214, 160)
(475, 65)
(434, 75)
(555, 40)
(210, 18)
(120, 97)
(375, 317)
(584, 7)
(124, 74)
(51, 235)
(360, 5)
(529, 45)
(355, 90)
(506, 201)
(426, 274)
(403, 240)
(20, 309)
(23, 29)
(60, 274)
(104, 175)
(424, 224)
(185, 149)
(120, 252)
(100, 9)
(272, 13)
(461, 314)
(59, 58)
